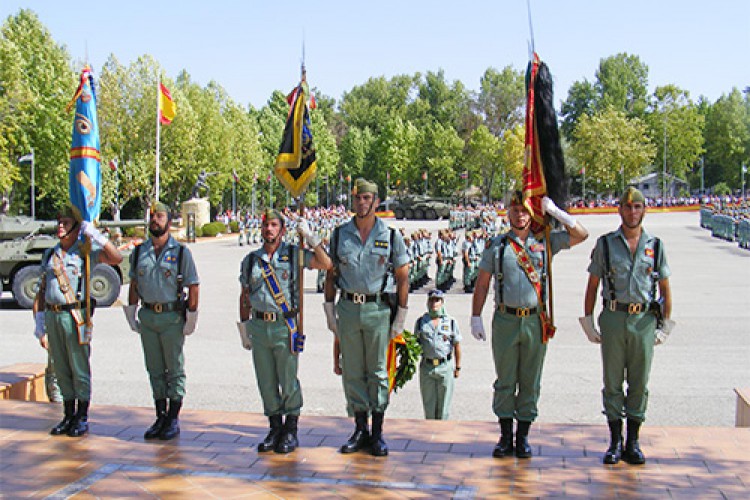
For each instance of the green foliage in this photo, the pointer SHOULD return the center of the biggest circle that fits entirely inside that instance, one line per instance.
(408, 354)
(234, 226)
(721, 189)
(212, 229)
(613, 148)
(727, 137)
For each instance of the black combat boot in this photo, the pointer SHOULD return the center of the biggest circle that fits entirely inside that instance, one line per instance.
(154, 431)
(378, 447)
(171, 428)
(361, 437)
(504, 447)
(523, 450)
(274, 435)
(288, 442)
(62, 428)
(614, 452)
(633, 454)
(80, 424)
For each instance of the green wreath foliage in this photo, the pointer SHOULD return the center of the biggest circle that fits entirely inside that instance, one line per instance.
(409, 354)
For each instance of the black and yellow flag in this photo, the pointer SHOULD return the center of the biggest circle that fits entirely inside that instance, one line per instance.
(295, 165)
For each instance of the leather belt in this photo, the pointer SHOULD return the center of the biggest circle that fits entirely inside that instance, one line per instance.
(272, 316)
(630, 308)
(63, 307)
(519, 312)
(159, 308)
(361, 298)
(437, 361)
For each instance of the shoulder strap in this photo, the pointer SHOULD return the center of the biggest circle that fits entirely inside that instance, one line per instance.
(180, 275)
(389, 267)
(500, 253)
(608, 267)
(655, 275)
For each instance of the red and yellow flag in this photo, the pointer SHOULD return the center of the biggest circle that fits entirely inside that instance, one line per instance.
(167, 107)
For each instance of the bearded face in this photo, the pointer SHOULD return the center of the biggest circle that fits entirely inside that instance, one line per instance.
(272, 230)
(159, 224)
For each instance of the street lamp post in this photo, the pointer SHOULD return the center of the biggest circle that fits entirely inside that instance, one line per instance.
(23, 159)
(664, 168)
(743, 171)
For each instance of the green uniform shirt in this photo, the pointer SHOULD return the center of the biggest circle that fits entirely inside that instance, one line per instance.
(283, 262)
(363, 265)
(156, 278)
(517, 289)
(73, 264)
(437, 342)
(631, 273)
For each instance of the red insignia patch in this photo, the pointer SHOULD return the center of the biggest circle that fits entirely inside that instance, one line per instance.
(538, 247)
(649, 252)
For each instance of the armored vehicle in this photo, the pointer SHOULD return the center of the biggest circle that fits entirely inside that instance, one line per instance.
(22, 245)
(420, 207)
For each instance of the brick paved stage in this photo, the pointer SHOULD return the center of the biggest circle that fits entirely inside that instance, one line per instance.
(215, 457)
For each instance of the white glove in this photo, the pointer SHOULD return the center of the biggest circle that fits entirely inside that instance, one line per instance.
(191, 320)
(39, 324)
(549, 207)
(93, 233)
(330, 310)
(130, 315)
(303, 228)
(477, 328)
(663, 333)
(397, 328)
(587, 323)
(244, 336)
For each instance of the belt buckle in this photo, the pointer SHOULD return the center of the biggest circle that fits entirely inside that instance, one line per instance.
(269, 316)
(55, 307)
(435, 362)
(522, 312)
(158, 308)
(635, 308)
(613, 305)
(358, 298)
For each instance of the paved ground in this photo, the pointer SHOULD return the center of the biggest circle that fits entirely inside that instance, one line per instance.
(215, 457)
(691, 383)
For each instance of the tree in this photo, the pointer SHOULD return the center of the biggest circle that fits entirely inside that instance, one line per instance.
(37, 83)
(502, 99)
(622, 83)
(613, 148)
(675, 118)
(581, 101)
(440, 151)
(727, 135)
(482, 158)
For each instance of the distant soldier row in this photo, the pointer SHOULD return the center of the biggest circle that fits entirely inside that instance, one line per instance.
(729, 222)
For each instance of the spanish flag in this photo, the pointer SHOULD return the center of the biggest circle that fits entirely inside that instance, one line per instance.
(167, 106)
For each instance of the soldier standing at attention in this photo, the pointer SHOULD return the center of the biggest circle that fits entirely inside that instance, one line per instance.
(632, 265)
(364, 251)
(59, 317)
(518, 260)
(160, 269)
(268, 315)
(440, 339)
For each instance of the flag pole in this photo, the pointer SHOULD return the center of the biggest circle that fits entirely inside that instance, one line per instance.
(158, 145)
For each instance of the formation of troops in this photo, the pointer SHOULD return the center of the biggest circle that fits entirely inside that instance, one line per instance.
(368, 270)
(728, 221)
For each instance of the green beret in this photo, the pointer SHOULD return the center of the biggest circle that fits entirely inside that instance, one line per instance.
(364, 186)
(68, 211)
(632, 195)
(516, 198)
(272, 213)
(159, 207)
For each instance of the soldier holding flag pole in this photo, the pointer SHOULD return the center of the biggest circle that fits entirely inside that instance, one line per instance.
(271, 313)
(63, 307)
(520, 261)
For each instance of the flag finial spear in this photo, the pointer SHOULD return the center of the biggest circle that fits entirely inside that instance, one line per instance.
(532, 48)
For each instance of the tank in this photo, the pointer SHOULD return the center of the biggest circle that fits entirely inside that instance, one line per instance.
(420, 207)
(23, 242)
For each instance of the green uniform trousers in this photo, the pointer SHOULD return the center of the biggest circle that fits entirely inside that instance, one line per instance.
(275, 368)
(518, 352)
(70, 359)
(627, 350)
(364, 335)
(162, 340)
(436, 385)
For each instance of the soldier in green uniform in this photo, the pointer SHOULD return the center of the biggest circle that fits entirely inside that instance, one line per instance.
(440, 339)
(264, 323)
(365, 253)
(518, 262)
(58, 314)
(160, 269)
(632, 264)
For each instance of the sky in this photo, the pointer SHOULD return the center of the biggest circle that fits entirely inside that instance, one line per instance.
(252, 48)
